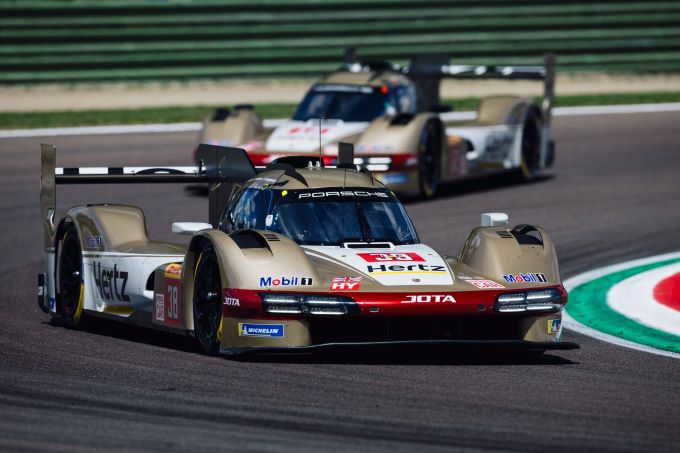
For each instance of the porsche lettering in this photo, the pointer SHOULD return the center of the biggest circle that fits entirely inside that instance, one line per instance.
(343, 193)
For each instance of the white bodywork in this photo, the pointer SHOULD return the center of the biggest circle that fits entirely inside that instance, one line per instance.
(119, 280)
(416, 264)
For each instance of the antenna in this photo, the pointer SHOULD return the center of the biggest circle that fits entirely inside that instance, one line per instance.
(320, 152)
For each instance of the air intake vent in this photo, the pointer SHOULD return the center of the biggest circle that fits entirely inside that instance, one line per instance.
(505, 234)
(271, 237)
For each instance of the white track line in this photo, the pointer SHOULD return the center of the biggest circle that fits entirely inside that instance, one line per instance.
(571, 283)
(191, 127)
(634, 299)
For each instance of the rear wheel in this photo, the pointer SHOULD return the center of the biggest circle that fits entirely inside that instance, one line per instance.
(69, 277)
(207, 301)
(429, 159)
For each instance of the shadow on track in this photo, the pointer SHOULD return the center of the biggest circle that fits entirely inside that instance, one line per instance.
(136, 334)
(416, 355)
(480, 184)
(408, 355)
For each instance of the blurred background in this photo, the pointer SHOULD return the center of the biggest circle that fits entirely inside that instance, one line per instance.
(185, 52)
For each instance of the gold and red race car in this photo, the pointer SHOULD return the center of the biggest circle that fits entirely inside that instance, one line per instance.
(296, 257)
(401, 132)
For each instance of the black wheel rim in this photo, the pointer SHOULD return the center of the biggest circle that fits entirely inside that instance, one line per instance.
(70, 274)
(207, 306)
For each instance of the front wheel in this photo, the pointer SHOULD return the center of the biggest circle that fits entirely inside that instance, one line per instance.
(207, 304)
(429, 159)
(531, 146)
(69, 277)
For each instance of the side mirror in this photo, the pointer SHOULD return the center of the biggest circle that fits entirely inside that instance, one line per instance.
(189, 228)
(494, 219)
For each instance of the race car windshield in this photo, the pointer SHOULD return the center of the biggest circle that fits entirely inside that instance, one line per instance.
(343, 102)
(337, 216)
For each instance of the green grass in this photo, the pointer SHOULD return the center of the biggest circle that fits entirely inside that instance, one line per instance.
(28, 120)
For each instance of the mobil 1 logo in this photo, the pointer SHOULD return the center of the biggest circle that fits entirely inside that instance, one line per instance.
(110, 282)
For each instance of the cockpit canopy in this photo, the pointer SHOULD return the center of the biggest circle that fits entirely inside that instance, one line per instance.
(328, 216)
(357, 103)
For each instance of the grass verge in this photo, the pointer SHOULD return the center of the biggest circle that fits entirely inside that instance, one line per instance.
(29, 120)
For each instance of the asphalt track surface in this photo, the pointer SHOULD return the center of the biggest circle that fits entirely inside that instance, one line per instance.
(612, 196)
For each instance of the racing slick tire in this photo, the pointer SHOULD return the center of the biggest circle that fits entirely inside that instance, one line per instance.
(429, 158)
(207, 301)
(69, 278)
(530, 163)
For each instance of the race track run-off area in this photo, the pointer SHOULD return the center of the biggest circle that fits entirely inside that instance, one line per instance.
(634, 304)
(610, 199)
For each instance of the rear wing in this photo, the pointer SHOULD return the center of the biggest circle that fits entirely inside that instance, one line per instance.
(427, 71)
(219, 166)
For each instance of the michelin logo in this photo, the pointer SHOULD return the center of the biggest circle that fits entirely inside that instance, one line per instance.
(260, 330)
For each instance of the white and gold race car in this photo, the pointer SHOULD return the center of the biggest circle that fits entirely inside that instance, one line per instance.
(296, 257)
(401, 132)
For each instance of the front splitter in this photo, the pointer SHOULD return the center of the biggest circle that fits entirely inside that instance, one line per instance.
(507, 345)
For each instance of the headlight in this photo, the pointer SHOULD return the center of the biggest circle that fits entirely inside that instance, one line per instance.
(308, 304)
(536, 300)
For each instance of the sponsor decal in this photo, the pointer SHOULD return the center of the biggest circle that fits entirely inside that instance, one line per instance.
(428, 298)
(246, 329)
(375, 148)
(307, 130)
(409, 268)
(525, 278)
(484, 284)
(343, 193)
(173, 270)
(381, 257)
(53, 304)
(394, 178)
(343, 88)
(498, 145)
(232, 302)
(554, 325)
(345, 283)
(93, 242)
(160, 307)
(285, 281)
(251, 145)
(110, 282)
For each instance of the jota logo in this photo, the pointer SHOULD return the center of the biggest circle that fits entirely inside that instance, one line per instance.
(425, 298)
(110, 282)
(345, 283)
(381, 257)
(285, 281)
(525, 278)
(406, 268)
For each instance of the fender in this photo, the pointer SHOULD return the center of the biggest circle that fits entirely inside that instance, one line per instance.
(231, 127)
(511, 255)
(252, 263)
(389, 133)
